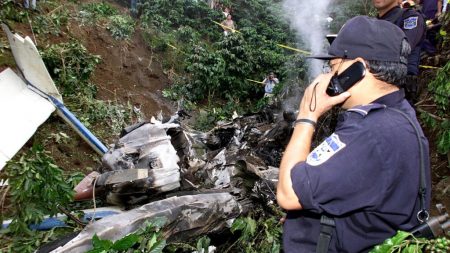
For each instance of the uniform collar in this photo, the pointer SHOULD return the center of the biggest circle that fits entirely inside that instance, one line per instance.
(391, 99)
(390, 15)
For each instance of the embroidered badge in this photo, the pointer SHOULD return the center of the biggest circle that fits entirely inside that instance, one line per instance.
(410, 23)
(325, 150)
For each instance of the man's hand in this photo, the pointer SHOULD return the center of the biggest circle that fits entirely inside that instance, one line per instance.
(316, 102)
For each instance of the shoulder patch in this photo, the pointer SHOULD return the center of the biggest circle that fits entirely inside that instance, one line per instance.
(325, 150)
(410, 23)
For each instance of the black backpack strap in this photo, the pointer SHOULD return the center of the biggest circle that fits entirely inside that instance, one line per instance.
(327, 226)
(423, 213)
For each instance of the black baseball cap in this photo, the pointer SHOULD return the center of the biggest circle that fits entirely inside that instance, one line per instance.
(368, 38)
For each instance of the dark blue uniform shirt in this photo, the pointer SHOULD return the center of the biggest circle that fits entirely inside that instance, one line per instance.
(413, 25)
(430, 8)
(365, 175)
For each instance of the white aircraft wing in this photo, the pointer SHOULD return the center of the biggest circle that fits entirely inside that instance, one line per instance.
(22, 111)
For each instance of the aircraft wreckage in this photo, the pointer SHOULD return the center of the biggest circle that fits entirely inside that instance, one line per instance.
(198, 181)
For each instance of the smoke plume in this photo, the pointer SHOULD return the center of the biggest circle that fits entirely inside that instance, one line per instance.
(309, 19)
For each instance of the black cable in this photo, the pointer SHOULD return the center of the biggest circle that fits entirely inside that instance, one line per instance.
(313, 99)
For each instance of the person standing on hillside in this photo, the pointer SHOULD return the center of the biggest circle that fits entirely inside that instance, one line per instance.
(228, 25)
(413, 25)
(133, 8)
(363, 183)
(269, 84)
(226, 12)
(26, 4)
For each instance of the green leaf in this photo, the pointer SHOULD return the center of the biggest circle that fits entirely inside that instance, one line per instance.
(251, 226)
(97, 251)
(203, 244)
(126, 242)
(101, 244)
(412, 249)
(152, 241)
(400, 237)
(238, 224)
(158, 247)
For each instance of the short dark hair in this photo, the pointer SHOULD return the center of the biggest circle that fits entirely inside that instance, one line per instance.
(391, 72)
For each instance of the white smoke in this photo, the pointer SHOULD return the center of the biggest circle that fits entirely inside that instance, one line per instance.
(309, 19)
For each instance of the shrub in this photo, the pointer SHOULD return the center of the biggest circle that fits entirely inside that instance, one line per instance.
(263, 235)
(37, 186)
(51, 23)
(440, 122)
(101, 9)
(8, 11)
(71, 66)
(121, 27)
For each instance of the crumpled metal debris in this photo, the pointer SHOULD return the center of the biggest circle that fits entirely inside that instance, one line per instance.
(154, 161)
(143, 162)
(187, 216)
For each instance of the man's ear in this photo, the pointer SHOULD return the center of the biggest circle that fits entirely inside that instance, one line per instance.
(361, 60)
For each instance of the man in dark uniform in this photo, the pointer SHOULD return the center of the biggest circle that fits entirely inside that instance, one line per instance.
(365, 176)
(431, 8)
(413, 25)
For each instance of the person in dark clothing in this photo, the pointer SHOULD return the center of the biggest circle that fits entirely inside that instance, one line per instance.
(431, 8)
(133, 8)
(413, 25)
(365, 176)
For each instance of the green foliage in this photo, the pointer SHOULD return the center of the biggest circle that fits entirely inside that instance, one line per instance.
(203, 244)
(206, 71)
(208, 116)
(205, 120)
(71, 66)
(444, 31)
(51, 23)
(187, 34)
(221, 73)
(264, 17)
(9, 11)
(74, 179)
(440, 86)
(37, 186)
(149, 239)
(99, 10)
(347, 9)
(121, 26)
(216, 71)
(262, 103)
(258, 236)
(30, 242)
(440, 90)
(169, 15)
(246, 225)
(92, 111)
(405, 242)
